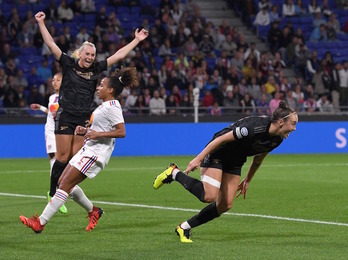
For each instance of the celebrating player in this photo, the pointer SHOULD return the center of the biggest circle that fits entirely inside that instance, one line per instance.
(221, 162)
(107, 124)
(76, 95)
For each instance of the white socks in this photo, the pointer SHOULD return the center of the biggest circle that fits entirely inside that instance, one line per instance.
(185, 225)
(175, 171)
(53, 206)
(79, 196)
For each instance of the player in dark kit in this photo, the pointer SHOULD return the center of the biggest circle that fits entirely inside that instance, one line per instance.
(221, 162)
(80, 78)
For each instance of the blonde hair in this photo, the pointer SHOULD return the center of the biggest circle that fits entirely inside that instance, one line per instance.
(76, 53)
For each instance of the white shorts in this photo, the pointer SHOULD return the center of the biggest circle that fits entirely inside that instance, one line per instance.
(50, 143)
(87, 163)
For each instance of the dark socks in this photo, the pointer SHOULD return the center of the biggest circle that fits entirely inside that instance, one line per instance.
(205, 215)
(57, 170)
(191, 184)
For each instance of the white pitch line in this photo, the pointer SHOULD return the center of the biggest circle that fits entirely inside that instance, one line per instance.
(192, 210)
(161, 168)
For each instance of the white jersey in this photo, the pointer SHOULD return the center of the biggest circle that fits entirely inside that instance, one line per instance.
(52, 106)
(103, 119)
(49, 126)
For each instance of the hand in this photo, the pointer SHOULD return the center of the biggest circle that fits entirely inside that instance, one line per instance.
(35, 106)
(141, 35)
(80, 130)
(193, 165)
(91, 134)
(242, 188)
(40, 16)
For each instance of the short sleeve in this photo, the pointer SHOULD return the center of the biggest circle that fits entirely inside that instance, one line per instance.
(65, 60)
(101, 66)
(115, 115)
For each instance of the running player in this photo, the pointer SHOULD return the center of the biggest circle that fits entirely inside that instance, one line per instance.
(80, 77)
(107, 124)
(50, 138)
(221, 162)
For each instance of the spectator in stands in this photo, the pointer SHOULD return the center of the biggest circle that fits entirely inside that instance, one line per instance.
(190, 47)
(83, 35)
(228, 45)
(248, 70)
(326, 9)
(24, 37)
(312, 65)
(283, 42)
(231, 102)
(273, 14)
(180, 39)
(101, 18)
(291, 101)
(270, 85)
(157, 105)
(208, 99)
(51, 11)
(264, 4)
(206, 46)
(171, 105)
(140, 106)
(330, 32)
(262, 18)
(278, 64)
(319, 34)
(65, 14)
(77, 8)
(63, 43)
(300, 9)
(19, 79)
(342, 4)
(310, 105)
(335, 87)
(318, 20)
(273, 36)
(216, 109)
(274, 102)
(87, 6)
(324, 104)
(262, 105)
(237, 61)
(252, 51)
(248, 105)
(14, 26)
(321, 81)
(35, 96)
(343, 75)
(335, 23)
(288, 8)
(6, 53)
(313, 7)
(264, 64)
(10, 67)
(43, 71)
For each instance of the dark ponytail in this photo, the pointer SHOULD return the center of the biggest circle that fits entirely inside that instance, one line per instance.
(282, 111)
(121, 78)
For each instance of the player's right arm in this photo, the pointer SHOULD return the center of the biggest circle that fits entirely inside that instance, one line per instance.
(213, 145)
(46, 36)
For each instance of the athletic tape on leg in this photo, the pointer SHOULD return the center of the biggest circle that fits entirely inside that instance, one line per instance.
(211, 181)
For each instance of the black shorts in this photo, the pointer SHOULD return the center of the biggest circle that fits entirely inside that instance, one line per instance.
(224, 165)
(65, 123)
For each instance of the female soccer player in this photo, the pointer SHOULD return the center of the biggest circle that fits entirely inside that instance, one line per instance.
(107, 124)
(49, 127)
(221, 162)
(76, 95)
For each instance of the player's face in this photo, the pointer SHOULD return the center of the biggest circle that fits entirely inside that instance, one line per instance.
(87, 57)
(289, 125)
(103, 89)
(56, 82)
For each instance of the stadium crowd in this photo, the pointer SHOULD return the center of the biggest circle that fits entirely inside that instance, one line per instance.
(183, 51)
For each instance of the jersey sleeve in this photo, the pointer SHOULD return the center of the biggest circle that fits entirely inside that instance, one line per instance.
(101, 66)
(115, 115)
(243, 131)
(65, 60)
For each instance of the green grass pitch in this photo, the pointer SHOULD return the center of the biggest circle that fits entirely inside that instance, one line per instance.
(296, 208)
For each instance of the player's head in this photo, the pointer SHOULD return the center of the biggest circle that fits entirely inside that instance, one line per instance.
(114, 84)
(86, 54)
(285, 118)
(57, 81)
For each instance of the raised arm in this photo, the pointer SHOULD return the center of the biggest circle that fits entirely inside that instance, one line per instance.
(46, 36)
(123, 52)
(225, 138)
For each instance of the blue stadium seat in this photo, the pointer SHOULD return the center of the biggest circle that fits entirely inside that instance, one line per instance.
(29, 51)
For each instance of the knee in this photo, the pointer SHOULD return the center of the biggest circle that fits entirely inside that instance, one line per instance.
(210, 197)
(223, 207)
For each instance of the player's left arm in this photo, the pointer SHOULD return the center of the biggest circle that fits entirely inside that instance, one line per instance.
(118, 132)
(254, 166)
(123, 52)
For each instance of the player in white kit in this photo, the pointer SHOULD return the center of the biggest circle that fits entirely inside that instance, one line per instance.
(50, 138)
(107, 123)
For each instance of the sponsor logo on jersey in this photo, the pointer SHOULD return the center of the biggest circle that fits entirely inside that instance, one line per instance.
(62, 128)
(244, 131)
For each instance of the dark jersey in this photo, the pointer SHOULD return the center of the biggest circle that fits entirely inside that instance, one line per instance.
(251, 138)
(78, 85)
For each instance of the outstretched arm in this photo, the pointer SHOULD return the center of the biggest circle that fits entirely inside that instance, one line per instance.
(255, 165)
(56, 52)
(35, 106)
(225, 138)
(123, 52)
